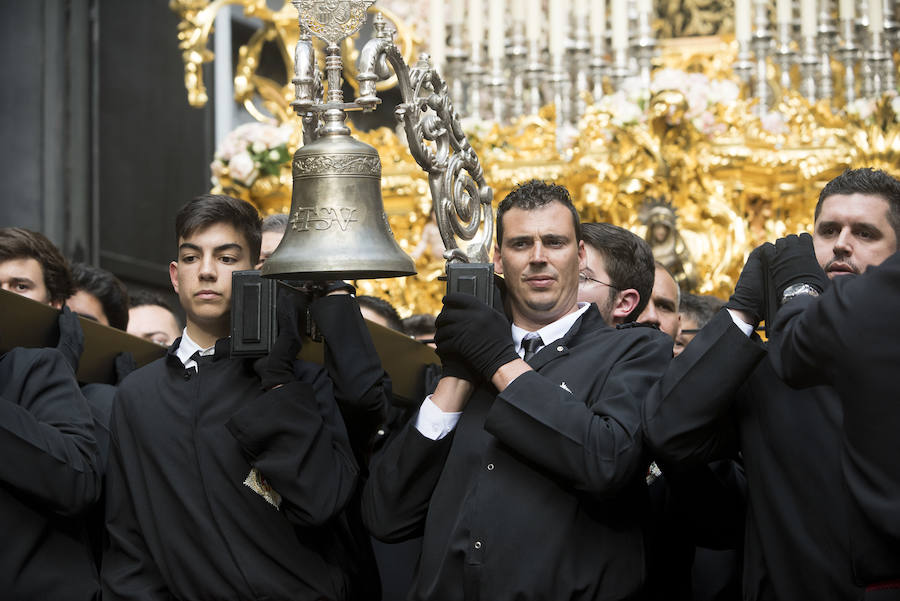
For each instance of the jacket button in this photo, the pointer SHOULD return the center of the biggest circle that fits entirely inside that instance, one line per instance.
(490, 466)
(478, 544)
(560, 348)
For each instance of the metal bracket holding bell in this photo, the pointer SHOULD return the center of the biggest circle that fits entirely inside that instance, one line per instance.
(461, 198)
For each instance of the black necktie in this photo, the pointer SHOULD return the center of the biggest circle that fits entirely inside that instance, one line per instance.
(531, 343)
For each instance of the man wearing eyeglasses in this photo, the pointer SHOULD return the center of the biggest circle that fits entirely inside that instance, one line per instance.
(618, 272)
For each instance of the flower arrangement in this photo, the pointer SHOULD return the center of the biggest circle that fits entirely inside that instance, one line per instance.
(250, 151)
(628, 105)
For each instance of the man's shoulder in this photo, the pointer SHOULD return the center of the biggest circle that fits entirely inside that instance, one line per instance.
(143, 379)
(19, 361)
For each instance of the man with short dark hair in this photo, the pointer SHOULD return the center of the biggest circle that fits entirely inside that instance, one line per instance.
(525, 468)
(150, 317)
(229, 484)
(273, 228)
(694, 312)
(662, 310)
(618, 272)
(99, 295)
(380, 311)
(722, 397)
(32, 266)
(50, 475)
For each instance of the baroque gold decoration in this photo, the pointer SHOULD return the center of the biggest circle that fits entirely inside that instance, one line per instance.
(735, 176)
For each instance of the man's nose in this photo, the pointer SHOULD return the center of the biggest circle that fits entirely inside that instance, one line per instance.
(843, 243)
(537, 253)
(208, 268)
(650, 315)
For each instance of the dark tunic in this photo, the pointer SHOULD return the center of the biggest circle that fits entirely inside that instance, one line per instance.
(539, 492)
(721, 397)
(181, 521)
(49, 476)
(850, 338)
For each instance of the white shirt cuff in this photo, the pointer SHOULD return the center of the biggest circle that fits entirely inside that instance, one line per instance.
(433, 423)
(745, 327)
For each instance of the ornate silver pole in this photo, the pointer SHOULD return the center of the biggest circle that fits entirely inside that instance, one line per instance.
(534, 76)
(619, 71)
(761, 43)
(809, 67)
(848, 53)
(581, 63)
(517, 56)
(878, 62)
(457, 57)
(644, 47)
(562, 86)
(599, 66)
(496, 83)
(784, 56)
(743, 66)
(827, 33)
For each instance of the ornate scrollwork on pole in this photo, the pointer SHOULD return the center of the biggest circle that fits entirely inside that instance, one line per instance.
(461, 197)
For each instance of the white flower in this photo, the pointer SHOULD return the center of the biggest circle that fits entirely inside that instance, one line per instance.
(258, 147)
(273, 155)
(774, 123)
(861, 108)
(622, 109)
(668, 79)
(243, 168)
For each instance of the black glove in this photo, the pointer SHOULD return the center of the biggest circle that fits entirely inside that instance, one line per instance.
(71, 338)
(278, 367)
(474, 332)
(453, 366)
(795, 262)
(750, 292)
(124, 364)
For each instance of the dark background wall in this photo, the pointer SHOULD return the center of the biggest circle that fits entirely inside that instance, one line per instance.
(100, 146)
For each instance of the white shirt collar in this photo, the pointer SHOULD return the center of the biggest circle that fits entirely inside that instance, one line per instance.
(186, 349)
(549, 332)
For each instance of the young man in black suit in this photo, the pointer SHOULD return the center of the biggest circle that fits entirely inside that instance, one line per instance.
(230, 484)
(847, 338)
(722, 396)
(525, 468)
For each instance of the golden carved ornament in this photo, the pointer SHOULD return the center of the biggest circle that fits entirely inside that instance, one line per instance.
(745, 180)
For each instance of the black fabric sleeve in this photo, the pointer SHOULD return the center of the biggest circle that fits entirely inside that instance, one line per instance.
(688, 413)
(596, 446)
(396, 497)
(299, 444)
(47, 434)
(128, 570)
(849, 337)
(361, 386)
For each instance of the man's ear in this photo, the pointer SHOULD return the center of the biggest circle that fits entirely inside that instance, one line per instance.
(582, 256)
(173, 275)
(626, 302)
(498, 265)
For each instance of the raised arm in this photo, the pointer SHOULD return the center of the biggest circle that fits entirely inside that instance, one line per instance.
(46, 433)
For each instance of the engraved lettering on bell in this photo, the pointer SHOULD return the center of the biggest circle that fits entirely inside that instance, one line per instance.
(339, 164)
(333, 20)
(323, 218)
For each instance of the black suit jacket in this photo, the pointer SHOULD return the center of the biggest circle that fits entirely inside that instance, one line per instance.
(722, 399)
(849, 337)
(539, 492)
(49, 478)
